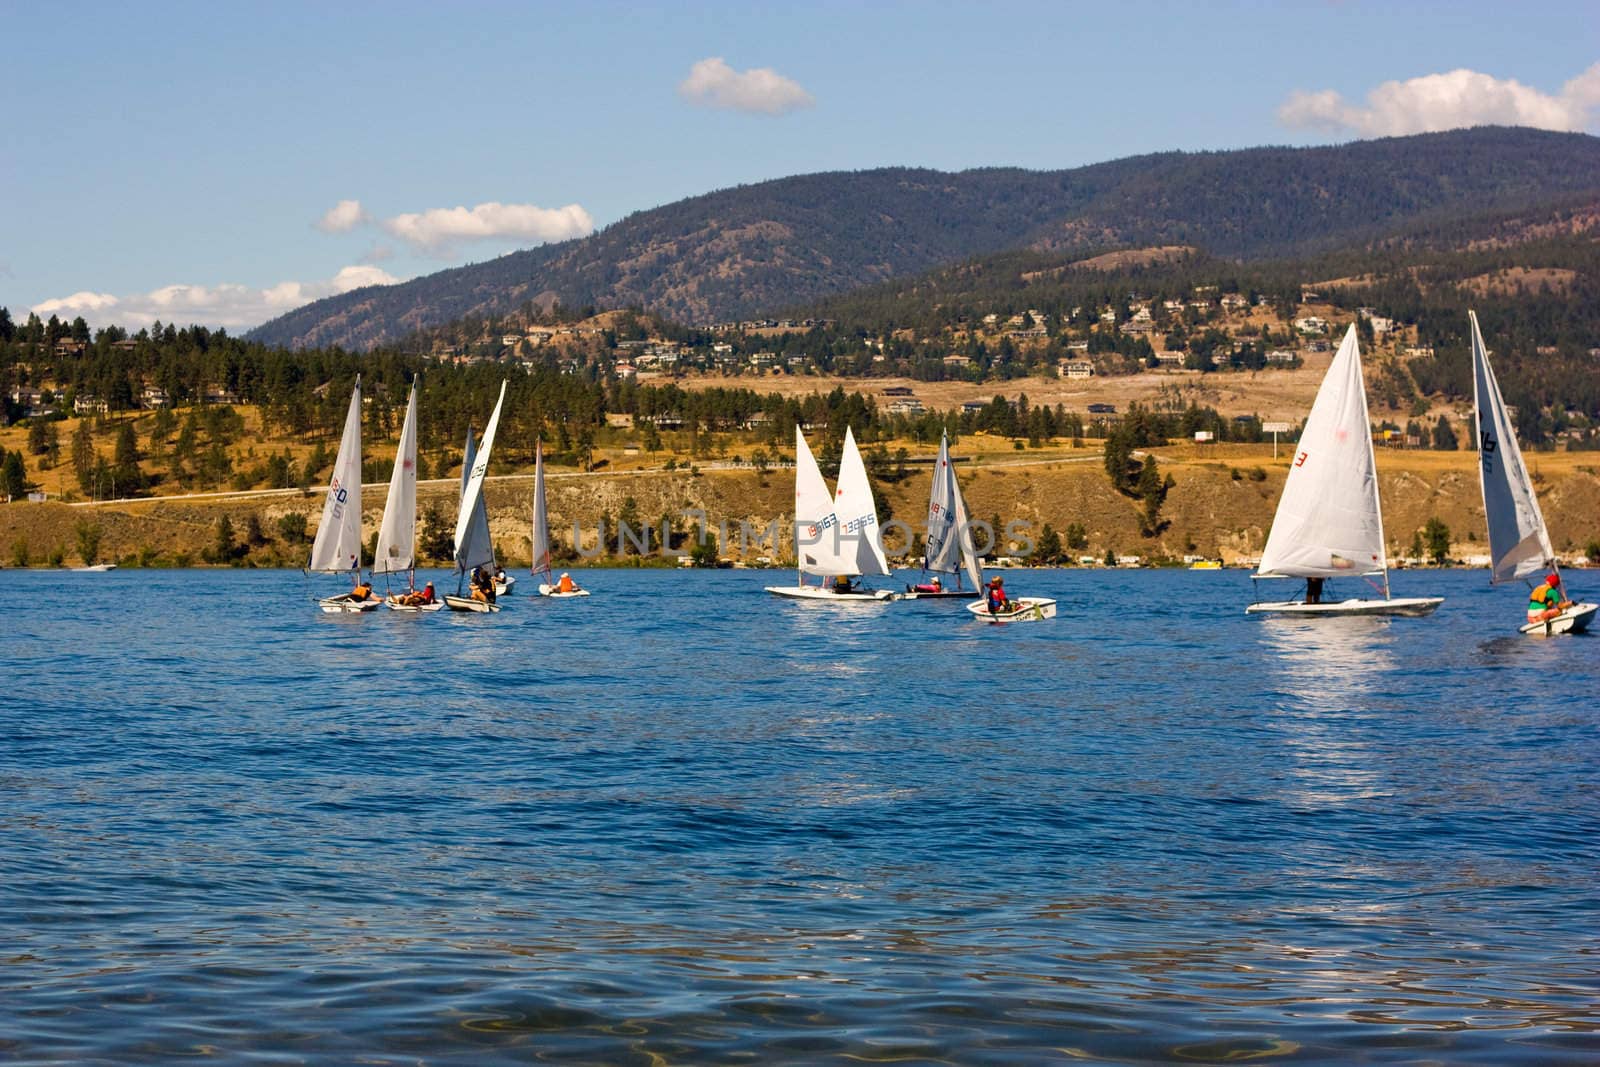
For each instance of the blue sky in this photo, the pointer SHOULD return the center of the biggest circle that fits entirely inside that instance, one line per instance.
(188, 161)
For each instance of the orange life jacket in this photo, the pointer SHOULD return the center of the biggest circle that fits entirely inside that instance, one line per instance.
(1540, 597)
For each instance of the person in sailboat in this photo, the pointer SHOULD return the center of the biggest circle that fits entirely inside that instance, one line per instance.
(843, 584)
(418, 598)
(934, 585)
(362, 592)
(999, 603)
(1313, 590)
(565, 584)
(482, 586)
(1547, 600)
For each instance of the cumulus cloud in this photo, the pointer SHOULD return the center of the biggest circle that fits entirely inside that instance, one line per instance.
(439, 230)
(343, 217)
(1447, 101)
(762, 91)
(233, 306)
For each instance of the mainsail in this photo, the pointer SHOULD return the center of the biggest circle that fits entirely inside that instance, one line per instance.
(1519, 545)
(541, 517)
(473, 545)
(857, 514)
(818, 546)
(397, 537)
(338, 543)
(1328, 522)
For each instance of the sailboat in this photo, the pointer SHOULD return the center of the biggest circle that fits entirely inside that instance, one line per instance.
(473, 546)
(949, 548)
(397, 536)
(1329, 523)
(541, 535)
(1519, 544)
(337, 547)
(835, 537)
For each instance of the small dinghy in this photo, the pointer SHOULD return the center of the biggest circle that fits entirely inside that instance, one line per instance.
(1023, 609)
(1329, 523)
(337, 547)
(474, 548)
(1519, 543)
(949, 548)
(551, 586)
(841, 536)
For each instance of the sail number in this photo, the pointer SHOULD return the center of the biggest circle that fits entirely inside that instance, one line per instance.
(1300, 460)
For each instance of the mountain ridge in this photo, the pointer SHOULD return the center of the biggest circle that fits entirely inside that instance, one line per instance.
(752, 248)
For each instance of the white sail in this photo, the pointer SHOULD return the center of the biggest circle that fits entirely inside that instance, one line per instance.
(969, 554)
(541, 517)
(397, 537)
(473, 546)
(1328, 521)
(1519, 545)
(338, 543)
(944, 538)
(477, 543)
(858, 515)
(819, 549)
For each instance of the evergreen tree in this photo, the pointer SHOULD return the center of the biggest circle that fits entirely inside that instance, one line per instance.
(83, 455)
(13, 475)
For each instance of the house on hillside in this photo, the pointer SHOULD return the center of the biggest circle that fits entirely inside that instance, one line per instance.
(906, 406)
(957, 362)
(1234, 302)
(1311, 324)
(1102, 409)
(1171, 360)
(1075, 368)
(89, 404)
(899, 390)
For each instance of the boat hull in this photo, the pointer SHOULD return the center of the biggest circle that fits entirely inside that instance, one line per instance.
(944, 594)
(414, 609)
(1414, 606)
(343, 606)
(502, 586)
(466, 603)
(552, 593)
(1575, 620)
(825, 596)
(1028, 609)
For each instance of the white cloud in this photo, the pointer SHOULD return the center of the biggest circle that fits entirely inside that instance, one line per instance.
(233, 306)
(438, 230)
(1447, 101)
(343, 217)
(762, 91)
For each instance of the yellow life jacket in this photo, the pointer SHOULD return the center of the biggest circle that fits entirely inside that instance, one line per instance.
(1537, 598)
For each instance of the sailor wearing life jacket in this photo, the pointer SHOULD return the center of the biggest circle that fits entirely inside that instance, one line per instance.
(1546, 601)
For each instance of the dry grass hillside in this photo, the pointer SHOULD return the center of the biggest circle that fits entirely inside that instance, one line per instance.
(1221, 505)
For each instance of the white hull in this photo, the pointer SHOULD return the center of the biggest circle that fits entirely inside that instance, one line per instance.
(502, 586)
(394, 605)
(1574, 620)
(466, 603)
(555, 594)
(1413, 606)
(96, 568)
(943, 594)
(1025, 609)
(811, 592)
(338, 605)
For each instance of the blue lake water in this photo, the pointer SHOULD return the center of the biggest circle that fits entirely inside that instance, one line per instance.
(683, 822)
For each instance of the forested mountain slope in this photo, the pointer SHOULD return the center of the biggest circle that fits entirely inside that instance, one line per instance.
(754, 248)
